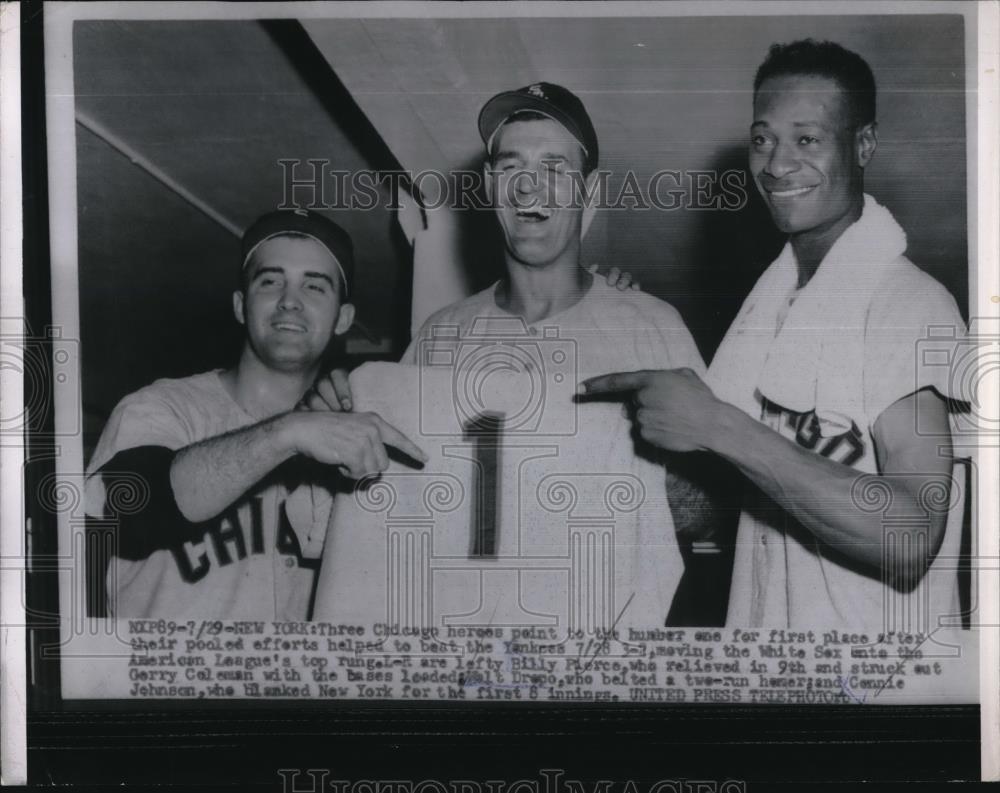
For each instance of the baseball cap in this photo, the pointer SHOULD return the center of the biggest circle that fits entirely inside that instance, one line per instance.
(558, 103)
(309, 224)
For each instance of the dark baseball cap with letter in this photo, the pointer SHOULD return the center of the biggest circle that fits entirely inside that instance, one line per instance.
(307, 224)
(558, 103)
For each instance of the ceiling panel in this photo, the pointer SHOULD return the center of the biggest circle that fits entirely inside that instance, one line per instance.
(216, 105)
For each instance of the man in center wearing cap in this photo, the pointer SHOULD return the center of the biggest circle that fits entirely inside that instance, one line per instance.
(541, 151)
(230, 520)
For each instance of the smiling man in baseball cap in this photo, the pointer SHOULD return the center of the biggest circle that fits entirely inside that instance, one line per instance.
(237, 508)
(540, 141)
(541, 149)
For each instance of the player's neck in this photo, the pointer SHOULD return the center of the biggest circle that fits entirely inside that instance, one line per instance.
(812, 246)
(537, 293)
(262, 391)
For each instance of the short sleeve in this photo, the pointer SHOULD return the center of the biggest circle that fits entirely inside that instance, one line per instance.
(411, 356)
(914, 336)
(145, 418)
(670, 344)
(685, 351)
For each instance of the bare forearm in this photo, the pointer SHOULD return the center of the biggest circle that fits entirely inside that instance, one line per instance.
(678, 412)
(209, 476)
(814, 490)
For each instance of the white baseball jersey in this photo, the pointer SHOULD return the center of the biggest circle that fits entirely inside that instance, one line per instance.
(256, 560)
(540, 512)
(868, 309)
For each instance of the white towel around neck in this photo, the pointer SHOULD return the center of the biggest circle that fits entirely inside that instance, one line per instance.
(815, 361)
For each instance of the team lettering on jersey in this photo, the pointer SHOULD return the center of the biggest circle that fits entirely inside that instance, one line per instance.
(231, 541)
(847, 448)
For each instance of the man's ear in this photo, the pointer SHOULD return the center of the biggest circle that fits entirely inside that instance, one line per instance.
(866, 140)
(344, 320)
(238, 307)
(590, 207)
(488, 176)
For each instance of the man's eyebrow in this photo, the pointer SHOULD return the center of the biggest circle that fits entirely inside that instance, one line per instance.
(324, 276)
(281, 271)
(506, 155)
(268, 269)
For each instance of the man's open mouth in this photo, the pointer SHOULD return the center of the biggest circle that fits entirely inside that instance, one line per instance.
(533, 214)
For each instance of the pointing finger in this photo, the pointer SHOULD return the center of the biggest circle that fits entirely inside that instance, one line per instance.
(614, 382)
(379, 454)
(393, 437)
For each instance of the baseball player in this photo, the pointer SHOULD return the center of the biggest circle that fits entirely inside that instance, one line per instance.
(816, 384)
(541, 150)
(232, 517)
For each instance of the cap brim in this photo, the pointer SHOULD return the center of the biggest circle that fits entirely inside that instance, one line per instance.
(503, 106)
